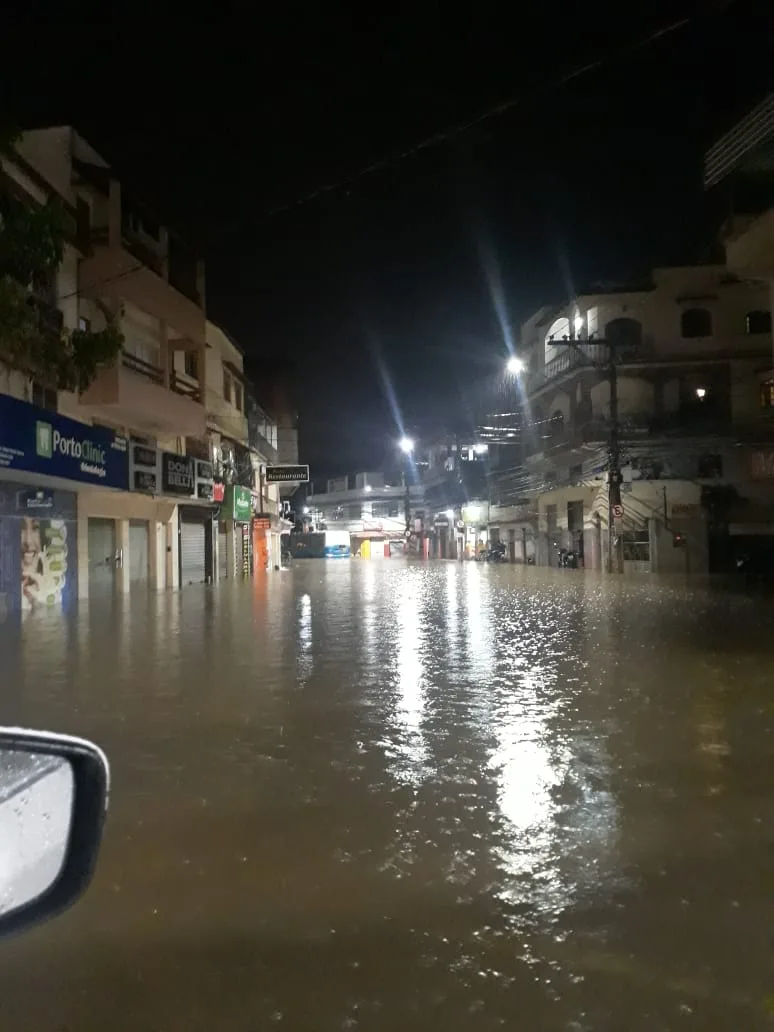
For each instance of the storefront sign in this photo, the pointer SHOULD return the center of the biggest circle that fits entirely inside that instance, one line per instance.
(38, 441)
(287, 474)
(247, 550)
(36, 501)
(178, 474)
(218, 492)
(688, 512)
(158, 472)
(38, 548)
(237, 504)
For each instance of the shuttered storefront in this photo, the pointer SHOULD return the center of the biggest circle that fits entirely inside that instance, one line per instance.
(225, 569)
(193, 547)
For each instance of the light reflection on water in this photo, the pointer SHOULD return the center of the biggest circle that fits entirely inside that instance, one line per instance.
(383, 794)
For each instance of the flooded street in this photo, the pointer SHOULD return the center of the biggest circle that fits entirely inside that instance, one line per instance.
(382, 796)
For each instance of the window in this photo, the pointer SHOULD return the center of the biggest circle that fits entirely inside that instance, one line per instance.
(636, 546)
(758, 322)
(696, 322)
(191, 364)
(709, 467)
(82, 224)
(238, 395)
(625, 335)
(44, 397)
(84, 324)
(767, 394)
(226, 385)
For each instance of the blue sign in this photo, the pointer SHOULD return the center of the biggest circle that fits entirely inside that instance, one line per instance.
(40, 441)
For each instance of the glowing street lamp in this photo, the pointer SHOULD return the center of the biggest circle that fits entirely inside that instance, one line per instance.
(406, 445)
(514, 365)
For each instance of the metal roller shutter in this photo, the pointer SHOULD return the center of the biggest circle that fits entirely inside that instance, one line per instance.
(192, 552)
(223, 564)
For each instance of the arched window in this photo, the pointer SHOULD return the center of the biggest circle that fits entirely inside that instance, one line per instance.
(758, 322)
(624, 334)
(696, 322)
(557, 336)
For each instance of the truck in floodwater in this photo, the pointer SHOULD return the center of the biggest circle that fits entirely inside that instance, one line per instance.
(323, 544)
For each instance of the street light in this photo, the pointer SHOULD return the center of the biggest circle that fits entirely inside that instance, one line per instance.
(406, 445)
(368, 489)
(701, 393)
(514, 365)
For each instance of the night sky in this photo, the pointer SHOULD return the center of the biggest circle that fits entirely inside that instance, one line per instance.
(222, 125)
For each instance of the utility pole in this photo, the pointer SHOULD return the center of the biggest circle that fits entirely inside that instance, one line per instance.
(615, 550)
(614, 543)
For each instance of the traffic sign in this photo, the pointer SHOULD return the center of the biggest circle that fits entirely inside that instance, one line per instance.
(618, 511)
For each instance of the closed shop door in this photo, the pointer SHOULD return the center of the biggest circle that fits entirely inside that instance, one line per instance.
(102, 553)
(223, 563)
(138, 553)
(193, 552)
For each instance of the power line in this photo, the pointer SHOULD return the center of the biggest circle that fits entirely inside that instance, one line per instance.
(444, 135)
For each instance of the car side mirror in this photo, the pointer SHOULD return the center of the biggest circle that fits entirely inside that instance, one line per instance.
(53, 799)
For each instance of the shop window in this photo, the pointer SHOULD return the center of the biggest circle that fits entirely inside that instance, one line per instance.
(696, 322)
(758, 322)
(767, 394)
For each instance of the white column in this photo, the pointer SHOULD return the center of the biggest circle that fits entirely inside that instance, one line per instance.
(172, 552)
(122, 542)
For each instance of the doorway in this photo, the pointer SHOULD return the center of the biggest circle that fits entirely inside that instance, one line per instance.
(103, 560)
(138, 553)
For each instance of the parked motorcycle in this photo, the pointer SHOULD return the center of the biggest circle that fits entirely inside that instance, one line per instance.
(495, 554)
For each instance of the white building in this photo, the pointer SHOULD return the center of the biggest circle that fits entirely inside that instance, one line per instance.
(691, 349)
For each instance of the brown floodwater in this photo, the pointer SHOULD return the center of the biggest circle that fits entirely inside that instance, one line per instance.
(387, 796)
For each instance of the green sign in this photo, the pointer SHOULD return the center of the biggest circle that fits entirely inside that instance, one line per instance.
(237, 504)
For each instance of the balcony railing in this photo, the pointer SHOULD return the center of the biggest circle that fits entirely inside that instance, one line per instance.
(155, 374)
(142, 368)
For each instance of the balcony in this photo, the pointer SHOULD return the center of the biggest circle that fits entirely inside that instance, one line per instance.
(750, 247)
(118, 273)
(132, 393)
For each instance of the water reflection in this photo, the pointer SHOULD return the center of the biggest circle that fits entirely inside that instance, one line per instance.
(418, 796)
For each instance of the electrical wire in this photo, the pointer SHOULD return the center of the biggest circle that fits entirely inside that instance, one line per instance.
(488, 114)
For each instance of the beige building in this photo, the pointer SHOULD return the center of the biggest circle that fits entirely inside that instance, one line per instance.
(690, 347)
(174, 403)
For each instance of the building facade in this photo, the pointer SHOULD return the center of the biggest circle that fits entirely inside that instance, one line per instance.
(121, 487)
(684, 417)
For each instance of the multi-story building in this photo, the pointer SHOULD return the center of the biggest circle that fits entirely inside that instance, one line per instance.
(114, 489)
(689, 348)
(440, 498)
(369, 506)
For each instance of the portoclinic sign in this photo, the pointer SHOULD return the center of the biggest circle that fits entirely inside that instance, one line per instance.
(39, 441)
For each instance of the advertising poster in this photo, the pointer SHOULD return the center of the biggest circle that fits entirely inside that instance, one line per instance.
(38, 548)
